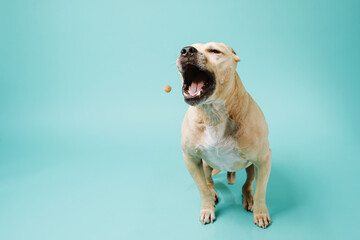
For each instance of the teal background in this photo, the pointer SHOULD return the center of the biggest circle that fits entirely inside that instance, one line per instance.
(90, 142)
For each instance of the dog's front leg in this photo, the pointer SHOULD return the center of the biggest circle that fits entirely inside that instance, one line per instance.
(262, 172)
(195, 167)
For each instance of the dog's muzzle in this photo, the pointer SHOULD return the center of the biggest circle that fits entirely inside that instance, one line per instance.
(199, 83)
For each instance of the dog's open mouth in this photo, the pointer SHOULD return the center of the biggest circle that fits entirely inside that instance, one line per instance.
(198, 84)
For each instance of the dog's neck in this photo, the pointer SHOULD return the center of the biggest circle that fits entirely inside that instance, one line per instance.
(233, 108)
(215, 112)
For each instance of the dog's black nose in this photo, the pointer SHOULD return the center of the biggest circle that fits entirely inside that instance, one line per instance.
(188, 51)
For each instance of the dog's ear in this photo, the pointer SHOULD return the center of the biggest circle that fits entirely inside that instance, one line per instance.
(236, 58)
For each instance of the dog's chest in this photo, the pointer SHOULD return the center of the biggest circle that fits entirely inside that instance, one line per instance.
(220, 149)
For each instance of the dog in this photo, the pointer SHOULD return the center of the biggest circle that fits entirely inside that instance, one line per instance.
(223, 129)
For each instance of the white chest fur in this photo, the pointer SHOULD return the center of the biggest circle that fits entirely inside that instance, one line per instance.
(219, 148)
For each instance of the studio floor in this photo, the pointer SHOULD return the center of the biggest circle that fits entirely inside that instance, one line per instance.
(96, 196)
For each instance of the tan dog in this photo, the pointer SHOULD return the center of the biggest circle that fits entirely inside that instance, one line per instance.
(223, 129)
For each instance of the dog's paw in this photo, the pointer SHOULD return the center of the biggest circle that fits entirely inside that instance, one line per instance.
(262, 219)
(207, 215)
(261, 215)
(248, 202)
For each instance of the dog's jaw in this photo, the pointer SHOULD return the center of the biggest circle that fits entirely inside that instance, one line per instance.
(198, 85)
(198, 82)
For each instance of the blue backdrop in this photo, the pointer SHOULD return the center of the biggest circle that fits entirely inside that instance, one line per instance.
(90, 143)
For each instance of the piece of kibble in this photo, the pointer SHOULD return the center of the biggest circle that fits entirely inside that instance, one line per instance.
(167, 88)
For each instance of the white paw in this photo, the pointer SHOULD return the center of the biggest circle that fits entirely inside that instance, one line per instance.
(207, 215)
(262, 219)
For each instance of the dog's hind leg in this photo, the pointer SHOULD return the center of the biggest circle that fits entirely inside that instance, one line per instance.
(207, 171)
(247, 189)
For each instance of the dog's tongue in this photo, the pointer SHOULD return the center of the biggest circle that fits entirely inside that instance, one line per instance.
(195, 87)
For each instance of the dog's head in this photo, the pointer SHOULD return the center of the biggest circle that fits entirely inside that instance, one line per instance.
(207, 71)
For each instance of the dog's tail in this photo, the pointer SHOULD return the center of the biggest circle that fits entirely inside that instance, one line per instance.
(230, 175)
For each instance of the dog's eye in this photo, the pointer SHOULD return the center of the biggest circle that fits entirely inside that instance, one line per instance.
(214, 51)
